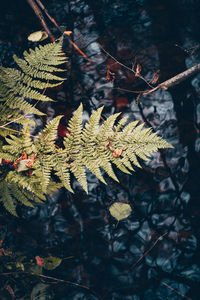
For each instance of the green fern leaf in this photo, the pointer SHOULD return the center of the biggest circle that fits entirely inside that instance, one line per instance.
(34, 75)
(6, 198)
(42, 169)
(60, 162)
(19, 196)
(73, 146)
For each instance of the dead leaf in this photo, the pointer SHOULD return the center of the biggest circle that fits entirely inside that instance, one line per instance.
(38, 36)
(138, 70)
(155, 78)
(39, 261)
(117, 152)
(52, 262)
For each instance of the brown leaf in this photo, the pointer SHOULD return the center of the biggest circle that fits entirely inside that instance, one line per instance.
(24, 163)
(39, 261)
(155, 78)
(138, 70)
(117, 152)
(110, 76)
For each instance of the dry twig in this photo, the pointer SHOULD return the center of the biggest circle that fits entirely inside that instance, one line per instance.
(158, 239)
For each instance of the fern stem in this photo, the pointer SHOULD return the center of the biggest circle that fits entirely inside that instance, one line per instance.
(17, 131)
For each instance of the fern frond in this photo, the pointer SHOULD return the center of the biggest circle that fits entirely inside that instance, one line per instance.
(35, 74)
(49, 133)
(39, 84)
(19, 196)
(95, 147)
(73, 146)
(46, 55)
(7, 113)
(23, 182)
(18, 144)
(45, 140)
(10, 192)
(42, 170)
(6, 198)
(61, 167)
(90, 152)
(29, 185)
(7, 156)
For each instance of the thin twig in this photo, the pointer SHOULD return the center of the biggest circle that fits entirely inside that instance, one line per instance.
(64, 281)
(129, 91)
(48, 277)
(58, 27)
(180, 77)
(164, 85)
(41, 18)
(55, 279)
(79, 50)
(126, 67)
(17, 131)
(158, 239)
(47, 14)
(174, 290)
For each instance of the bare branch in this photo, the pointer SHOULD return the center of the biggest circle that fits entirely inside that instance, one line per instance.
(176, 79)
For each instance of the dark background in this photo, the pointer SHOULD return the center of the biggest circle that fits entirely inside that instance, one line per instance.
(164, 38)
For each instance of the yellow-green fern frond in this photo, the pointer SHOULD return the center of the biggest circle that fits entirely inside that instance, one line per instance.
(19, 195)
(42, 170)
(19, 144)
(90, 149)
(37, 71)
(48, 55)
(29, 185)
(61, 166)
(7, 156)
(9, 193)
(49, 133)
(95, 147)
(6, 198)
(73, 146)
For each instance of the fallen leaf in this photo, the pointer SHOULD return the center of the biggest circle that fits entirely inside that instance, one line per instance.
(120, 210)
(24, 163)
(117, 152)
(51, 262)
(155, 78)
(38, 36)
(138, 70)
(39, 261)
(110, 76)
